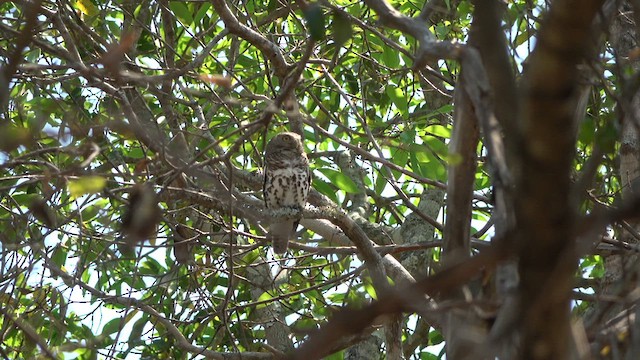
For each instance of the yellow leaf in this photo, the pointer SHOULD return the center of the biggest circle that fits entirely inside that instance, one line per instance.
(87, 7)
(11, 137)
(86, 185)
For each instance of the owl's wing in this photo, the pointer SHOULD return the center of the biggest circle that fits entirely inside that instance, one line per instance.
(264, 185)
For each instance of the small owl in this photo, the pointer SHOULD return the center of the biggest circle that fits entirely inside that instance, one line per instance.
(286, 184)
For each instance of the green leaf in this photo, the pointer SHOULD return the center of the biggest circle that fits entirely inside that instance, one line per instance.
(352, 82)
(439, 130)
(182, 12)
(482, 181)
(335, 356)
(435, 337)
(11, 137)
(607, 136)
(424, 355)
(201, 13)
(151, 267)
(340, 180)
(434, 170)
(136, 12)
(391, 57)
(341, 29)
(417, 165)
(315, 21)
(380, 184)
(86, 185)
(368, 286)
(398, 98)
(265, 296)
(400, 157)
(587, 131)
(59, 256)
(521, 38)
(111, 327)
(91, 211)
(324, 188)
(136, 331)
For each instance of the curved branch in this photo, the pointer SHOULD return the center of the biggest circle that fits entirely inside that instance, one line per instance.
(270, 50)
(394, 19)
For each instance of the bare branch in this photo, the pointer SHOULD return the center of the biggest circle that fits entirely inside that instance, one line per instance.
(8, 70)
(269, 49)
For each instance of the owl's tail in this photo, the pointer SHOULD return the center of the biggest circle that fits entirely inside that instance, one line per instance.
(280, 233)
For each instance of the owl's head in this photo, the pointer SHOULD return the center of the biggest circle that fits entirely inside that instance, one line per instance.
(285, 141)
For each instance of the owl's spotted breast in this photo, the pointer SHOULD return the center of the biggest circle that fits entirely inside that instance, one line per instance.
(286, 187)
(286, 184)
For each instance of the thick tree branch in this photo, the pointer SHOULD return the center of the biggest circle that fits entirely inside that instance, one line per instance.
(457, 230)
(403, 298)
(461, 174)
(544, 213)
(492, 45)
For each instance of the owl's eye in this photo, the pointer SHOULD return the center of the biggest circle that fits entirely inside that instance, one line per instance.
(286, 138)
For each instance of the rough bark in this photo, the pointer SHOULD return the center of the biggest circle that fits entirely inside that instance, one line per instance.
(460, 326)
(609, 321)
(543, 209)
(270, 316)
(415, 230)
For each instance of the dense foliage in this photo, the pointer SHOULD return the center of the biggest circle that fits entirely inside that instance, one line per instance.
(105, 103)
